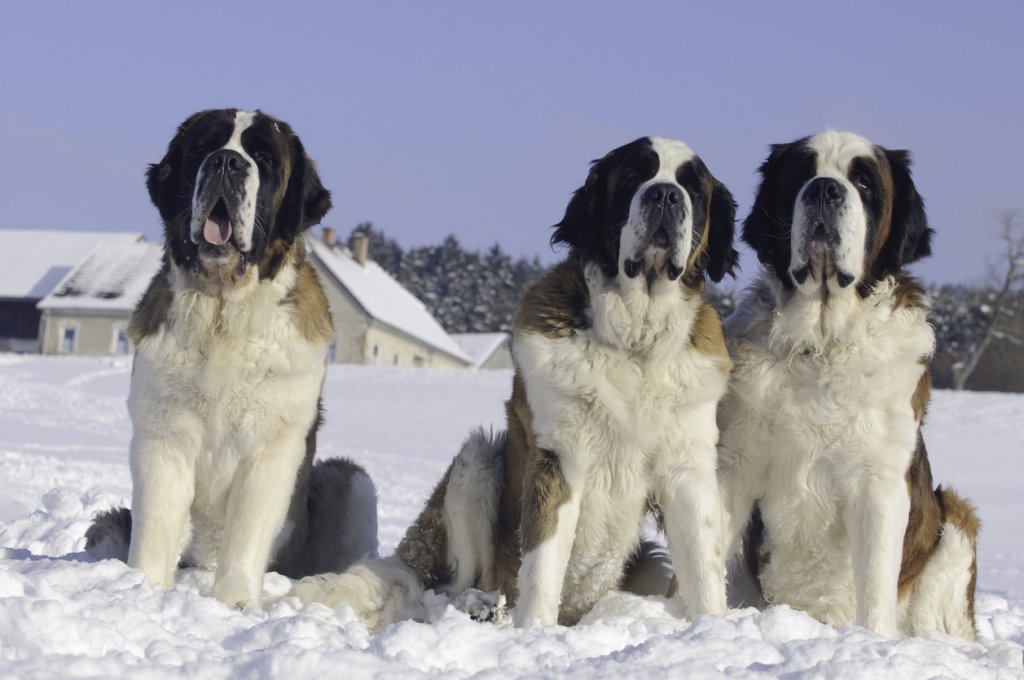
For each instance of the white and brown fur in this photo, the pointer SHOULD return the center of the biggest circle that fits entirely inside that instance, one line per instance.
(619, 368)
(232, 338)
(821, 428)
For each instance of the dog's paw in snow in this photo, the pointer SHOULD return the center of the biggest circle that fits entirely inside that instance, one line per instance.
(484, 607)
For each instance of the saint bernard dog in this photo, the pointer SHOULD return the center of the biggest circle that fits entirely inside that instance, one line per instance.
(620, 365)
(821, 454)
(231, 349)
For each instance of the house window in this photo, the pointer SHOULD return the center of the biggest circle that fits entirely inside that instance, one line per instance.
(121, 343)
(68, 335)
(376, 355)
(396, 358)
(417, 361)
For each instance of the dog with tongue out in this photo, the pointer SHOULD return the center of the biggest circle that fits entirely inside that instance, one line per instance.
(231, 343)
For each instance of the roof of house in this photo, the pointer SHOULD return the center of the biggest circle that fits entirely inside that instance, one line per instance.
(385, 299)
(33, 261)
(112, 277)
(480, 346)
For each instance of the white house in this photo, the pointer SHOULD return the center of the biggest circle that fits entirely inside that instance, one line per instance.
(32, 263)
(77, 290)
(88, 311)
(487, 350)
(377, 321)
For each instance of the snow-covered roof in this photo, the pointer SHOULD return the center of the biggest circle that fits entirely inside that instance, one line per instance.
(384, 298)
(33, 261)
(480, 346)
(112, 277)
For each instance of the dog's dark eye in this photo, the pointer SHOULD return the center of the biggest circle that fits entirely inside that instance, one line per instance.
(264, 158)
(862, 181)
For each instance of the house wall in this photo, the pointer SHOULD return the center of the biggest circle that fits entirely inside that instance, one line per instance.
(350, 321)
(93, 333)
(356, 334)
(397, 349)
(500, 358)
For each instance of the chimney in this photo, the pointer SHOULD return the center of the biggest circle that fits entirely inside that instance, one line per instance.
(329, 237)
(360, 247)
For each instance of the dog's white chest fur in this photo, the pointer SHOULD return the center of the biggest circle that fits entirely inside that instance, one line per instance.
(621, 403)
(224, 377)
(823, 397)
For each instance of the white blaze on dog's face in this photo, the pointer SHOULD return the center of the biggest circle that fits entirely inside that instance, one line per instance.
(224, 201)
(835, 212)
(652, 207)
(830, 222)
(657, 234)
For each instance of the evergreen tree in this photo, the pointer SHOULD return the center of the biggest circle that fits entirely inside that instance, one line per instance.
(464, 291)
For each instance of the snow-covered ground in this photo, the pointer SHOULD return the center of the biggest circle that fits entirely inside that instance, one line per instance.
(64, 435)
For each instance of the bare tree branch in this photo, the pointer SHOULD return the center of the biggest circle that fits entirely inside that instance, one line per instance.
(1006, 277)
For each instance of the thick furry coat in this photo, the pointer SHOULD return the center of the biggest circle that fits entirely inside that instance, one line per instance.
(619, 368)
(231, 345)
(821, 428)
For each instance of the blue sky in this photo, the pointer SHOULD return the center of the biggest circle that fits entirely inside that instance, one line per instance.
(479, 118)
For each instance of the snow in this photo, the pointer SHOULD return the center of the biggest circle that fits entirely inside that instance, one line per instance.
(64, 434)
(383, 298)
(112, 277)
(33, 261)
(480, 346)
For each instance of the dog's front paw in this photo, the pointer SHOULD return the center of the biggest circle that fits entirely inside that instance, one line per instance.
(484, 607)
(236, 592)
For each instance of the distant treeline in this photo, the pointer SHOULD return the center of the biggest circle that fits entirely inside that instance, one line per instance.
(467, 291)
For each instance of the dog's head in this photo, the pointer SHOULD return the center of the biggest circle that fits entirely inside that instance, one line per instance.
(232, 185)
(835, 210)
(652, 207)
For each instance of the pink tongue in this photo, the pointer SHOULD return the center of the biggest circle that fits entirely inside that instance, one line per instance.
(217, 231)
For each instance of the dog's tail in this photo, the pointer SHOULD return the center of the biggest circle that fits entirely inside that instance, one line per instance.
(342, 516)
(380, 591)
(471, 511)
(649, 571)
(450, 546)
(109, 535)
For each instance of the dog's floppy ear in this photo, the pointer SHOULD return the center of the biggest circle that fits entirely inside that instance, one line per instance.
(762, 220)
(162, 178)
(909, 234)
(306, 200)
(575, 227)
(156, 173)
(767, 227)
(721, 258)
(583, 227)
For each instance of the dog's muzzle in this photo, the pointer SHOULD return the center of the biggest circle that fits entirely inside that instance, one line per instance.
(662, 211)
(219, 197)
(822, 201)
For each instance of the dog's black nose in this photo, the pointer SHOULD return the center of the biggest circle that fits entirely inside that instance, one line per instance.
(663, 194)
(824, 191)
(226, 160)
